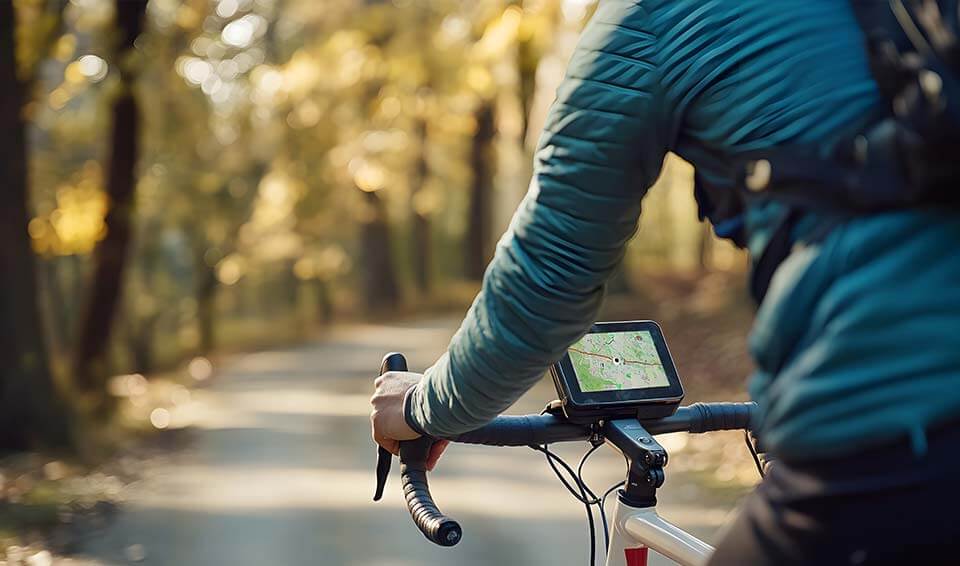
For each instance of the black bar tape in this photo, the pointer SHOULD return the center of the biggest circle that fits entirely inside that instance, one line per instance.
(524, 431)
(437, 527)
(707, 417)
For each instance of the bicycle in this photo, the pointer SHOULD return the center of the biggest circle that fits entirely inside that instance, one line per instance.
(636, 528)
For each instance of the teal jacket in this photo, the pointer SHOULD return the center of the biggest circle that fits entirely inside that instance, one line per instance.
(858, 340)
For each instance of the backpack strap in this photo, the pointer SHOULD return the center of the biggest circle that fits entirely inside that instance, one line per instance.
(781, 245)
(723, 207)
(776, 251)
(908, 158)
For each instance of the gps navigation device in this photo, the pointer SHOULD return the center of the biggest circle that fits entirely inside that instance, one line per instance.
(618, 370)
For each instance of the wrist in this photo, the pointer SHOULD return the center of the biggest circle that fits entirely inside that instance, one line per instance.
(409, 414)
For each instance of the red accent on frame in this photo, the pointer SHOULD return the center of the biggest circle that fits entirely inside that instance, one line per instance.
(636, 556)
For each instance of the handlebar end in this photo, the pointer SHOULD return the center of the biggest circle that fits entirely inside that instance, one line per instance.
(449, 533)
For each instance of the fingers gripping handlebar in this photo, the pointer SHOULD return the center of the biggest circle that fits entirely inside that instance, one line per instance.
(437, 527)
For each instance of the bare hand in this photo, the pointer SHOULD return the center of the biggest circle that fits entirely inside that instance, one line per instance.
(389, 425)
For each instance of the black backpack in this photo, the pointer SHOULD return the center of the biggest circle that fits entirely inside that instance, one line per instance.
(908, 158)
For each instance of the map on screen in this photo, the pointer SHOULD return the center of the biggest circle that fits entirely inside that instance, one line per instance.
(617, 360)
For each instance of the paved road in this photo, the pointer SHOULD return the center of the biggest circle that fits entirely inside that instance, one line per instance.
(281, 472)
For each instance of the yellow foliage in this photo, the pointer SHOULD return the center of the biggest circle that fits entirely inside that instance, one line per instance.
(209, 183)
(268, 85)
(325, 265)
(76, 224)
(300, 75)
(230, 269)
(500, 34)
(73, 75)
(480, 81)
(426, 201)
(187, 17)
(390, 107)
(59, 98)
(36, 27)
(304, 268)
(369, 177)
(65, 47)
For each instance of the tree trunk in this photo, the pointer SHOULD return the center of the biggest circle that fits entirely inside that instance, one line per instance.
(477, 252)
(206, 289)
(527, 62)
(381, 291)
(140, 343)
(31, 412)
(324, 302)
(421, 240)
(141, 324)
(55, 319)
(110, 256)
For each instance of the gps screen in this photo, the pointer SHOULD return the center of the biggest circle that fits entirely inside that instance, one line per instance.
(613, 361)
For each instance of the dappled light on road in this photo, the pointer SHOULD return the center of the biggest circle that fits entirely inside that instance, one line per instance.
(306, 402)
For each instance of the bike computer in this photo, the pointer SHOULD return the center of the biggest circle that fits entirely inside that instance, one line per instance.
(617, 370)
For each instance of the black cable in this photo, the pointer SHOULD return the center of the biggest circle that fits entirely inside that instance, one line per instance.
(603, 508)
(553, 460)
(603, 512)
(614, 487)
(753, 452)
(603, 516)
(583, 461)
(590, 524)
(585, 491)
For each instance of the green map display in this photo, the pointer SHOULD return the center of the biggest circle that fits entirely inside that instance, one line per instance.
(617, 360)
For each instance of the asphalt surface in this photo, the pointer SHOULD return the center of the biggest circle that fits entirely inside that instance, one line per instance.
(280, 470)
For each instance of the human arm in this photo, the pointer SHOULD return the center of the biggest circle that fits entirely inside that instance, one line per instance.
(603, 145)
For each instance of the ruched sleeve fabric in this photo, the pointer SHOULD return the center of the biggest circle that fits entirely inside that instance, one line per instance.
(603, 145)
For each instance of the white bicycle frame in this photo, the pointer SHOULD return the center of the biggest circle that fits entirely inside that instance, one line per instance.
(637, 530)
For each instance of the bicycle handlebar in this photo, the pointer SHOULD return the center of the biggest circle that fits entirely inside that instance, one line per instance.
(705, 417)
(527, 430)
(530, 430)
(437, 527)
(524, 430)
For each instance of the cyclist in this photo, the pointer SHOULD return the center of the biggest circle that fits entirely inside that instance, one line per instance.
(857, 339)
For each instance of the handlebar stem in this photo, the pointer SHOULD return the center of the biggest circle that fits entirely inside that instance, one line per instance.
(645, 457)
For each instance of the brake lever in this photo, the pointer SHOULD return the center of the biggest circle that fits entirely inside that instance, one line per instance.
(384, 458)
(391, 362)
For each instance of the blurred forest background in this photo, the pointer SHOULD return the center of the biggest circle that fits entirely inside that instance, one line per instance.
(186, 177)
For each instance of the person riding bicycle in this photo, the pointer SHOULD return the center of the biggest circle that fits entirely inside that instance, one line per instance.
(857, 338)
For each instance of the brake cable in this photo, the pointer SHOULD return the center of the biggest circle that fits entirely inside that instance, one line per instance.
(603, 506)
(586, 496)
(600, 501)
(553, 460)
(753, 452)
(596, 500)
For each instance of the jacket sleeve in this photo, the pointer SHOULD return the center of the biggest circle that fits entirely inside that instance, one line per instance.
(603, 145)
